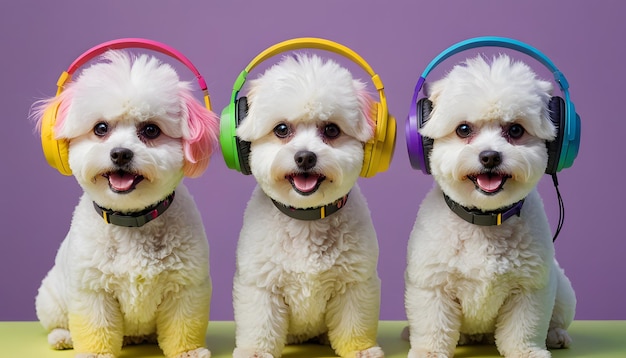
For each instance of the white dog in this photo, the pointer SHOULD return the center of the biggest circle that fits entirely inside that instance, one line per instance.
(299, 278)
(134, 131)
(467, 282)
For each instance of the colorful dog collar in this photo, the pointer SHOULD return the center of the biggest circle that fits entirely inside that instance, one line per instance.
(312, 213)
(484, 218)
(136, 219)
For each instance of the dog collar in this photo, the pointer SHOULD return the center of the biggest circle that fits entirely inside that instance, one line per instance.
(136, 219)
(484, 218)
(312, 213)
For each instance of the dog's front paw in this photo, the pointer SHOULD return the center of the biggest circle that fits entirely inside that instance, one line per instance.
(196, 353)
(420, 353)
(374, 352)
(250, 353)
(558, 338)
(60, 338)
(94, 355)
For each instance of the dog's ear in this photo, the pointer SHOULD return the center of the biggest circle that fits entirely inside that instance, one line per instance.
(199, 135)
(51, 111)
(368, 108)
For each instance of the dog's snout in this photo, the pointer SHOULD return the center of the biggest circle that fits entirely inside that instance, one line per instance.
(121, 156)
(490, 158)
(305, 159)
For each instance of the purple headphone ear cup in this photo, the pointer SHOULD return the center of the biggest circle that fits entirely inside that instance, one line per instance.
(424, 108)
(556, 109)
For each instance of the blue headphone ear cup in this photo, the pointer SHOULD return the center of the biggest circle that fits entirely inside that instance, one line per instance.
(424, 108)
(556, 108)
(243, 147)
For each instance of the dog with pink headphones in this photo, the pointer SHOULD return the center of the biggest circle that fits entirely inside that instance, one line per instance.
(134, 265)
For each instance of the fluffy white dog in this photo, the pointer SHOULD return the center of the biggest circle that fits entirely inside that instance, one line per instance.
(467, 282)
(134, 130)
(299, 276)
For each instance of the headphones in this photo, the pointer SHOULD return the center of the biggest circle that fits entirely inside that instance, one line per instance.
(57, 151)
(561, 151)
(378, 151)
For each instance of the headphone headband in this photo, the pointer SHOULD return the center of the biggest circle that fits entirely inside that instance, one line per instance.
(133, 43)
(378, 151)
(314, 43)
(570, 125)
(493, 41)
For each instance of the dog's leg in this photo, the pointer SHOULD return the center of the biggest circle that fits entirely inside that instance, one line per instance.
(261, 322)
(434, 322)
(96, 324)
(52, 310)
(352, 319)
(522, 325)
(182, 322)
(562, 314)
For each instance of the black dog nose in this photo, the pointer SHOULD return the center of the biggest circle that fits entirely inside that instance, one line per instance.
(121, 156)
(490, 158)
(305, 159)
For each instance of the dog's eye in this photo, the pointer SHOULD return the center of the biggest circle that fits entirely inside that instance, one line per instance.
(282, 130)
(150, 131)
(463, 130)
(516, 131)
(331, 131)
(101, 129)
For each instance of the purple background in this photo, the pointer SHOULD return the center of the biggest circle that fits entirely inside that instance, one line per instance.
(585, 39)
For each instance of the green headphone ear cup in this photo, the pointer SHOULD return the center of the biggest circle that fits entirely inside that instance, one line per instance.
(243, 147)
(228, 140)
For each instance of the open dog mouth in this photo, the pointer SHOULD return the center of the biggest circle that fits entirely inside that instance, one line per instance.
(490, 182)
(305, 183)
(122, 182)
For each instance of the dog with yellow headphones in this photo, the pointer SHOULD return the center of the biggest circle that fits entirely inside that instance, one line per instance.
(307, 252)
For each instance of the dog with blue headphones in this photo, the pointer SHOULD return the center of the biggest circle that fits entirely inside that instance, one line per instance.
(480, 259)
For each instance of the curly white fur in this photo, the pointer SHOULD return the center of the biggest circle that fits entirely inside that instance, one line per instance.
(466, 282)
(298, 280)
(114, 285)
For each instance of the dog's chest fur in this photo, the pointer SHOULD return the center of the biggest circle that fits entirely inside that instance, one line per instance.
(138, 266)
(306, 262)
(480, 267)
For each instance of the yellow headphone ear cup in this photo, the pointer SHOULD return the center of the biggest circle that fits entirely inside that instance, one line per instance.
(56, 151)
(370, 146)
(388, 146)
(368, 149)
(378, 151)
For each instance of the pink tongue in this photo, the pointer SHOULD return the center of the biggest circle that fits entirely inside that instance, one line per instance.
(489, 183)
(305, 183)
(121, 181)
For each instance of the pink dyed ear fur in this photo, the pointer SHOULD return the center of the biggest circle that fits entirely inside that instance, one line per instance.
(367, 107)
(40, 107)
(200, 136)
